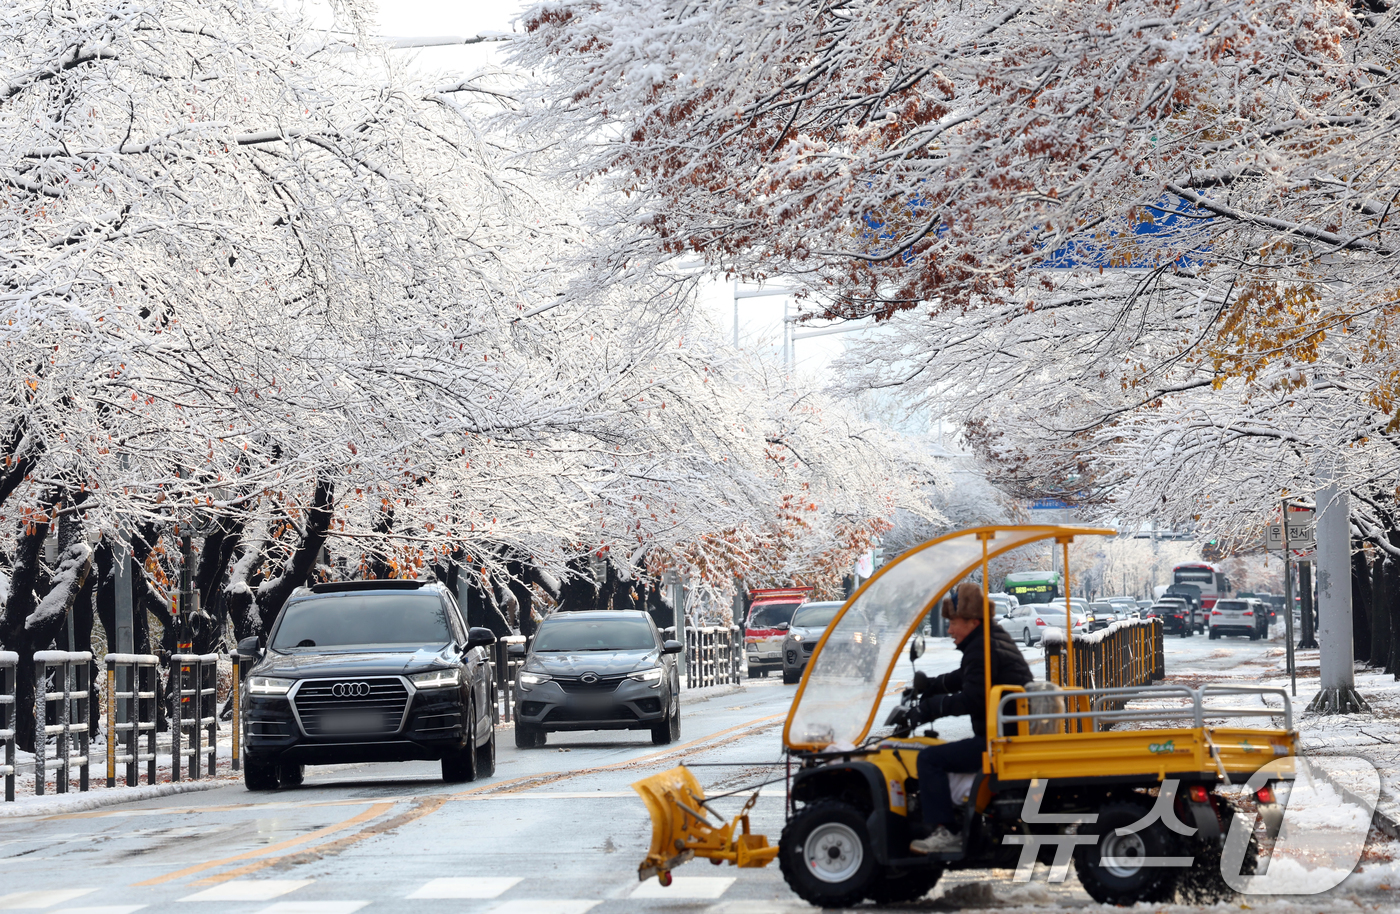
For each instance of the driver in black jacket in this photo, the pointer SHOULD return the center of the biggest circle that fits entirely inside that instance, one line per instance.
(962, 691)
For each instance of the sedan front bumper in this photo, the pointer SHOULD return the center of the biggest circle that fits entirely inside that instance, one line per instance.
(624, 704)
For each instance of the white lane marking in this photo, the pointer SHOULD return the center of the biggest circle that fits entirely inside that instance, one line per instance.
(20, 901)
(703, 887)
(545, 906)
(249, 890)
(758, 907)
(314, 907)
(466, 887)
(103, 909)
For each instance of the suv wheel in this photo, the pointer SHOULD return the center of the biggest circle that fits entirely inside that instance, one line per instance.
(460, 764)
(259, 775)
(791, 676)
(486, 757)
(528, 737)
(291, 775)
(661, 733)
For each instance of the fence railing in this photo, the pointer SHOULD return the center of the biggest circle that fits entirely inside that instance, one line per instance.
(194, 707)
(712, 656)
(133, 692)
(74, 703)
(1123, 655)
(504, 668)
(9, 685)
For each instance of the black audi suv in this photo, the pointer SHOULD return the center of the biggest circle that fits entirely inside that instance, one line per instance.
(602, 670)
(368, 671)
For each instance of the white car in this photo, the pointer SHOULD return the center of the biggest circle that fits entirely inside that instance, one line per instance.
(1027, 623)
(1239, 617)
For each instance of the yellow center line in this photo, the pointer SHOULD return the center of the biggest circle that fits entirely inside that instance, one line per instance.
(378, 809)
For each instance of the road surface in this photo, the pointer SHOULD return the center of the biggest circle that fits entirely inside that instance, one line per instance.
(556, 831)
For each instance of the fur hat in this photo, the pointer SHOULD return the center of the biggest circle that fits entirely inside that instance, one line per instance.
(966, 603)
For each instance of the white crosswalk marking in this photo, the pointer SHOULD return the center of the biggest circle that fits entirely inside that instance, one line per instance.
(103, 909)
(314, 907)
(466, 887)
(249, 890)
(21, 901)
(545, 906)
(703, 887)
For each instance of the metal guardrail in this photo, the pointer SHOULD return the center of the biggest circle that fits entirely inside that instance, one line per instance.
(133, 690)
(9, 683)
(504, 668)
(195, 707)
(73, 701)
(1123, 655)
(1098, 709)
(712, 656)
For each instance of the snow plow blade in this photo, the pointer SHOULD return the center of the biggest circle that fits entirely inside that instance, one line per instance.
(681, 829)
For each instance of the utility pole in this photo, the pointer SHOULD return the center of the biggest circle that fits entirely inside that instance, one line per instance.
(1338, 693)
(1288, 600)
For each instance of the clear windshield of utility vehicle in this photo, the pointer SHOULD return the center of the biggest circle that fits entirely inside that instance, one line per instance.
(363, 620)
(850, 670)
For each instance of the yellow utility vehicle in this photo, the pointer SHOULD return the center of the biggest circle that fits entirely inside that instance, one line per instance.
(1123, 779)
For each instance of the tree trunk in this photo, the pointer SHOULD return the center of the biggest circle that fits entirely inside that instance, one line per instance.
(1380, 614)
(579, 591)
(1305, 592)
(298, 568)
(1360, 606)
(1392, 592)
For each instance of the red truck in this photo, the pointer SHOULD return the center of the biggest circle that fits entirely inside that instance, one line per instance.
(770, 614)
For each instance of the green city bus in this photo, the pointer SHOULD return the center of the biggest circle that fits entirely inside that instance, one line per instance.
(1033, 586)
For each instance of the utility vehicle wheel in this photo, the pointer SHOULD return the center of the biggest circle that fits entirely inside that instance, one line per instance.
(1203, 883)
(259, 775)
(893, 886)
(791, 677)
(1026, 635)
(825, 855)
(486, 757)
(528, 737)
(1113, 870)
(291, 775)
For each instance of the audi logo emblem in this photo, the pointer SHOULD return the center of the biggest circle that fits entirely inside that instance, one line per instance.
(588, 678)
(350, 689)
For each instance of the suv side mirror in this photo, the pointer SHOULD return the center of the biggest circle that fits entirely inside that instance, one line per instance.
(782, 626)
(480, 637)
(672, 647)
(248, 647)
(515, 649)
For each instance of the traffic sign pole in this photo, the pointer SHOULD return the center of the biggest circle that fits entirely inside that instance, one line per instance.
(1288, 599)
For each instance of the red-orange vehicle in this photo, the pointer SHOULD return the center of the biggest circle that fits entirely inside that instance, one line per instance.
(769, 617)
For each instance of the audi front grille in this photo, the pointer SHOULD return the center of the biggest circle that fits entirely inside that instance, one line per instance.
(369, 706)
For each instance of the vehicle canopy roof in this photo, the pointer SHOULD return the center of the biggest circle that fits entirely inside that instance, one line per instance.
(851, 665)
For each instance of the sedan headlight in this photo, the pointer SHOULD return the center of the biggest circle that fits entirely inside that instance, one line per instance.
(647, 675)
(268, 685)
(533, 679)
(437, 679)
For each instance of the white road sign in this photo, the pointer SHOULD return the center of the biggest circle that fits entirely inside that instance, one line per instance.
(1300, 530)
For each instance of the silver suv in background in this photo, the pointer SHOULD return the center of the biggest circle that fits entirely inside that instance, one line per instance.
(806, 629)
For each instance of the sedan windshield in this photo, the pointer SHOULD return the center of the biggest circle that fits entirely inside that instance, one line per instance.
(621, 634)
(816, 616)
(363, 620)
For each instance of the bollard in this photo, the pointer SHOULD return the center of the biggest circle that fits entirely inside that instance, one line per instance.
(236, 703)
(9, 682)
(131, 713)
(195, 706)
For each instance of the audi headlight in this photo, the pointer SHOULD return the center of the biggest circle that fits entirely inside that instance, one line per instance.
(437, 679)
(647, 675)
(268, 685)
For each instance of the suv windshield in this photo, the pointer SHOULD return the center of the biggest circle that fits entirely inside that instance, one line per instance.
(815, 616)
(363, 620)
(771, 615)
(1232, 605)
(621, 634)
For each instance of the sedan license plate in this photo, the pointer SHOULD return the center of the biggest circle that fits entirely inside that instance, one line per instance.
(352, 722)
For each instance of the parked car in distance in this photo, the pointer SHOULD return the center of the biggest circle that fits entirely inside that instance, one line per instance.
(765, 627)
(1145, 607)
(1027, 623)
(808, 624)
(1102, 614)
(598, 670)
(1002, 603)
(1239, 617)
(368, 671)
(1176, 615)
